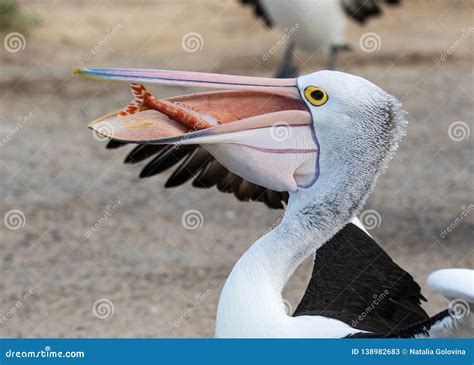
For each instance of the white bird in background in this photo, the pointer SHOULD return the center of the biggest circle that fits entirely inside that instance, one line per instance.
(323, 139)
(314, 25)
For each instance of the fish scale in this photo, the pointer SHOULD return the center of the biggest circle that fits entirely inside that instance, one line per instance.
(144, 100)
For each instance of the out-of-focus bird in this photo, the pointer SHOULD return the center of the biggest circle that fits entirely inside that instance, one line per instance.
(314, 25)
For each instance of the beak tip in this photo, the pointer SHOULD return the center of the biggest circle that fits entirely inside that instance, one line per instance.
(101, 131)
(78, 71)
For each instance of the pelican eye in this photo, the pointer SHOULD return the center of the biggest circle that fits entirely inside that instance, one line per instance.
(316, 95)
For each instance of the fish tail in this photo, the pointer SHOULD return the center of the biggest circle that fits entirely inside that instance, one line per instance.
(140, 94)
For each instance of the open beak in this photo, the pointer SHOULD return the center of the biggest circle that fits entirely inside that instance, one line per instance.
(259, 128)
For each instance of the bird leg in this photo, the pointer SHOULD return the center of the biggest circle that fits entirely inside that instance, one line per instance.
(287, 69)
(334, 51)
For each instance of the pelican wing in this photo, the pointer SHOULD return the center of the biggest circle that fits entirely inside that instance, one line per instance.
(362, 10)
(195, 163)
(440, 325)
(356, 282)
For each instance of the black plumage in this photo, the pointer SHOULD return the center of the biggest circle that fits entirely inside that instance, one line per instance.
(167, 157)
(421, 328)
(259, 11)
(195, 163)
(142, 152)
(112, 144)
(356, 282)
(363, 10)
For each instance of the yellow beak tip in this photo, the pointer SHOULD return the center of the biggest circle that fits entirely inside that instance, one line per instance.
(78, 71)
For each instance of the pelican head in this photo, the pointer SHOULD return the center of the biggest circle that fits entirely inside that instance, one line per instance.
(283, 134)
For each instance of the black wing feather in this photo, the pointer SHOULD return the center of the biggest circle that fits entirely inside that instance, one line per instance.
(210, 175)
(193, 161)
(420, 328)
(363, 10)
(112, 144)
(166, 158)
(259, 11)
(142, 152)
(356, 282)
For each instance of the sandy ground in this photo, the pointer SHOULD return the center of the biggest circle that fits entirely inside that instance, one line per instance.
(161, 279)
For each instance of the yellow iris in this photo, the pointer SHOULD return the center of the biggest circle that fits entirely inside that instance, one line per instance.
(316, 95)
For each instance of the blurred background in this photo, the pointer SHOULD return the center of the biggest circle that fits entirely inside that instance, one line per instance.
(89, 250)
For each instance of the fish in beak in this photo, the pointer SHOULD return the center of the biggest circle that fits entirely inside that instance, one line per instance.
(259, 128)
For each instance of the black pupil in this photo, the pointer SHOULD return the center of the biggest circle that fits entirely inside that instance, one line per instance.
(317, 95)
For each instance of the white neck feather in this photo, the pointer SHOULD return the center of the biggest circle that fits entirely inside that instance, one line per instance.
(251, 303)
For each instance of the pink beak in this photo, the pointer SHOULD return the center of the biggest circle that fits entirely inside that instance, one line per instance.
(259, 128)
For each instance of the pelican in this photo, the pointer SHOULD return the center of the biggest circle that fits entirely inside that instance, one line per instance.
(340, 132)
(314, 25)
